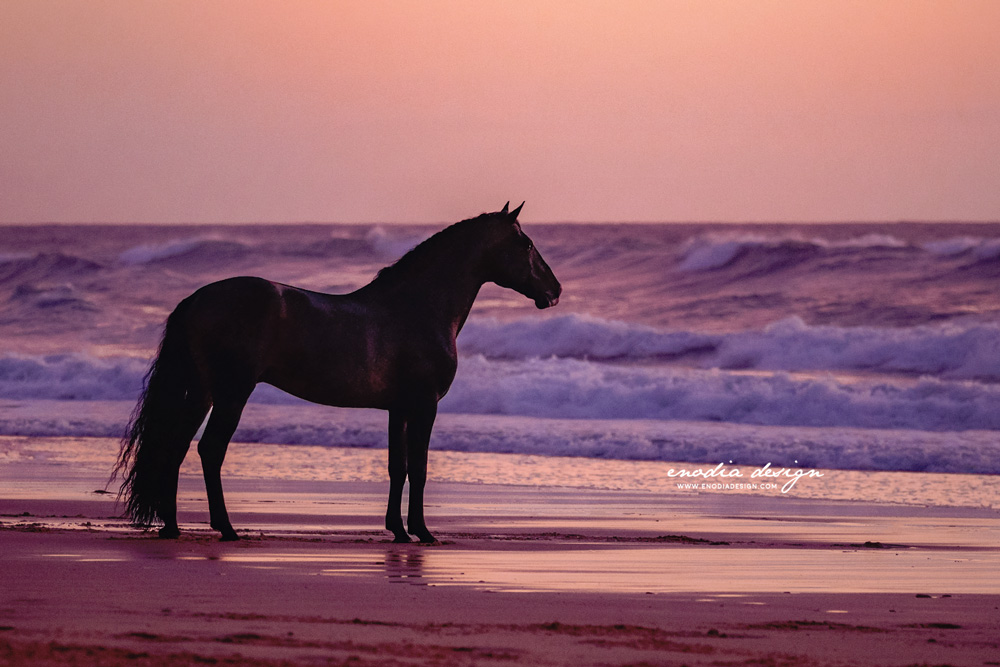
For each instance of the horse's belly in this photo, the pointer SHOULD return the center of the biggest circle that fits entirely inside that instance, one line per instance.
(334, 392)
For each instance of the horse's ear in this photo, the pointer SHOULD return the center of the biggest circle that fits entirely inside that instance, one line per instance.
(513, 214)
(504, 211)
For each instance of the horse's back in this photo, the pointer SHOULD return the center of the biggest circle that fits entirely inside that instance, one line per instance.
(349, 350)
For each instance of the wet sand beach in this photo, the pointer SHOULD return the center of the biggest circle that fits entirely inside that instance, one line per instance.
(524, 574)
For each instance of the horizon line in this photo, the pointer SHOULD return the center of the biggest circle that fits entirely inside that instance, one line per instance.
(96, 223)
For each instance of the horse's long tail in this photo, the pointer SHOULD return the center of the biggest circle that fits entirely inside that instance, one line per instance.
(151, 440)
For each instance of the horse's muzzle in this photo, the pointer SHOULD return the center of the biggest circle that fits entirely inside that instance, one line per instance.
(548, 300)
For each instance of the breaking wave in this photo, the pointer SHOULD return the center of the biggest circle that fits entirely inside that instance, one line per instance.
(569, 388)
(16, 269)
(979, 249)
(198, 248)
(715, 251)
(976, 452)
(580, 389)
(578, 337)
(950, 351)
(76, 376)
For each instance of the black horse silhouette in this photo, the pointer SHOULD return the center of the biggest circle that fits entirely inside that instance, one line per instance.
(389, 345)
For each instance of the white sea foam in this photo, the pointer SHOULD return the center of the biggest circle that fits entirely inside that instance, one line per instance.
(76, 376)
(976, 452)
(951, 350)
(570, 388)
(577, 336)
(864, 241)
(954, 351)
(579, 389)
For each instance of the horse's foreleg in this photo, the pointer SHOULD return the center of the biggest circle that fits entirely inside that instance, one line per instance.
(397, 475)
(212, 449)
(418, 440)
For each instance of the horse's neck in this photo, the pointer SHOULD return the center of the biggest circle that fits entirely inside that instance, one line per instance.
(445, 290)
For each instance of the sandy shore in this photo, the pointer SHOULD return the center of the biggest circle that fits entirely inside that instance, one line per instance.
(524, 575)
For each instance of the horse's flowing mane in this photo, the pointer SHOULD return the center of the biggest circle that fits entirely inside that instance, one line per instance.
(427, 253)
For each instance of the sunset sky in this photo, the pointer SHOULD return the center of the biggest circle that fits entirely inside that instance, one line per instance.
(242, 111)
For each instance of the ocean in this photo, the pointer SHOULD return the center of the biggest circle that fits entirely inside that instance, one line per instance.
(865, 347)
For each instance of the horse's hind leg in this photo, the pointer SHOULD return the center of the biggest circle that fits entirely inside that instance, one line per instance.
(195, 408)
(397, 475)
(212, 449)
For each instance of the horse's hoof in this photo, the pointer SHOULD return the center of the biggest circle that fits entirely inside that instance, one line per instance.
(168, 533)
(402, 539)
(427, 538)
(229, 536)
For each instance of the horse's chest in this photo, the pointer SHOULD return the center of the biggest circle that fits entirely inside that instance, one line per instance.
(382, 377)
(425, 366)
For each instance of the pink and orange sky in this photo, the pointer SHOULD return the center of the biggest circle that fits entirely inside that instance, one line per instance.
(310, 110)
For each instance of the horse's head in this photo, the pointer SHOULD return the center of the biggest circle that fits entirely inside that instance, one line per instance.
(515, 263)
